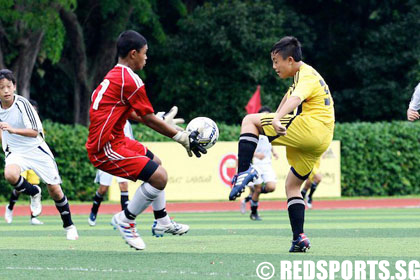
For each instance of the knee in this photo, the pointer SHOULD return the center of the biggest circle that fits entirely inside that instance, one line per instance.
(55, 192)
(103, 190)
(123, 186)
(270, 187)
(159, 178)
(11, 175)
(248, 119)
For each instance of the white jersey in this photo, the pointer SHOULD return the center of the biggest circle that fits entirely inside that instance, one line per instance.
(415, 99)
(21, 115)
(263, 147)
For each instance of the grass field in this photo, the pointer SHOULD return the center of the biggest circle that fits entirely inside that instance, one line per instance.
(225, 245)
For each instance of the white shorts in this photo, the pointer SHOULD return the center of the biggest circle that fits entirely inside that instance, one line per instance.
(105, 179)
(40, 160)
(267, 174)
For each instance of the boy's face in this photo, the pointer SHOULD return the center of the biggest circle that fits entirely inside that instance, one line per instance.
(283, 67)
(7, 90)
(140, 57)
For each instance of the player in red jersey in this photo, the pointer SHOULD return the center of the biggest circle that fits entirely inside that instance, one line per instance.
(120, 96)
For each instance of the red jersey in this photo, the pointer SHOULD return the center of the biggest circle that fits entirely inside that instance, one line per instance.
(113, 100)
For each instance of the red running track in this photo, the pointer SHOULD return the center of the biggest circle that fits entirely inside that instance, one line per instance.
(77, 209)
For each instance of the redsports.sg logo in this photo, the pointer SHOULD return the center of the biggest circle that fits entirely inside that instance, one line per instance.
(347, 270)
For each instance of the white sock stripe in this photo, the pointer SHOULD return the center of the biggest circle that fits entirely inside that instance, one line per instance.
(20, 181)
(248, 138)
(295, 201)
(61, 203)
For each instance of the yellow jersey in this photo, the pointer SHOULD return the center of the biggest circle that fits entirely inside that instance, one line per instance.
(31, 177)
(315, 95)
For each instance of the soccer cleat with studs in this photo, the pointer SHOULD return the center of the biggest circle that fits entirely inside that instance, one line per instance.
(71, 232)
(301, 244)
(92, 219)
(309, 202)
(36, 222)
(8, 215)
(128, 232)
(36, 206)
(241, 180)
(173, 228)
(255, 217)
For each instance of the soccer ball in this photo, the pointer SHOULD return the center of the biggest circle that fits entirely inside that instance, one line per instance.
(209, 131)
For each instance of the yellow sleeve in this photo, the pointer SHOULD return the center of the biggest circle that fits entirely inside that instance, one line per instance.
(305, 87)
(24, 174)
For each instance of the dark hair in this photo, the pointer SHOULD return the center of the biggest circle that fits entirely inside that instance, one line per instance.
(129, 40)
(7, 74)
(264, 109)
(288, 46)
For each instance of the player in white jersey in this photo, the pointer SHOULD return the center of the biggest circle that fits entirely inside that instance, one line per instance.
(104, 180)
(414, 107)
(33, 179)
(267, 181)
(25, 148)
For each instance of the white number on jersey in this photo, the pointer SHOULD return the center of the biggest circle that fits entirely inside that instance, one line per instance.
(98, 98)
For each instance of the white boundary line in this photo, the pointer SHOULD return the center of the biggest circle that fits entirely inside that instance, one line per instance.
(108, 270)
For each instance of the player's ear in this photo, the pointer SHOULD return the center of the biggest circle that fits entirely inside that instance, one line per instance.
(132, 53)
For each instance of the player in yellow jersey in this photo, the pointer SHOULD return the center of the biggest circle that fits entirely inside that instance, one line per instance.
(303, 122)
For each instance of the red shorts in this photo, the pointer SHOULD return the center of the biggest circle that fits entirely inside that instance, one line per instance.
(126, 158)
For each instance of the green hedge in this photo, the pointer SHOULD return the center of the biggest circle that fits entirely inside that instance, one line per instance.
(379, 158)
(376, 158)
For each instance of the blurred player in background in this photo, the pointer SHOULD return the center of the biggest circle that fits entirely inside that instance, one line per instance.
(311, 184)
(33, 179)
(25, 148)
(122, 95)
(267, 181)
(414, 107)
(303, 122)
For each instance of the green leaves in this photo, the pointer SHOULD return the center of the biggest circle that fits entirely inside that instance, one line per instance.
(216, 60)
(379, 158)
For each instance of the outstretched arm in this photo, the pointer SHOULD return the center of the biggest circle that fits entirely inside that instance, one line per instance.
(158, 125)
(186, 139)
